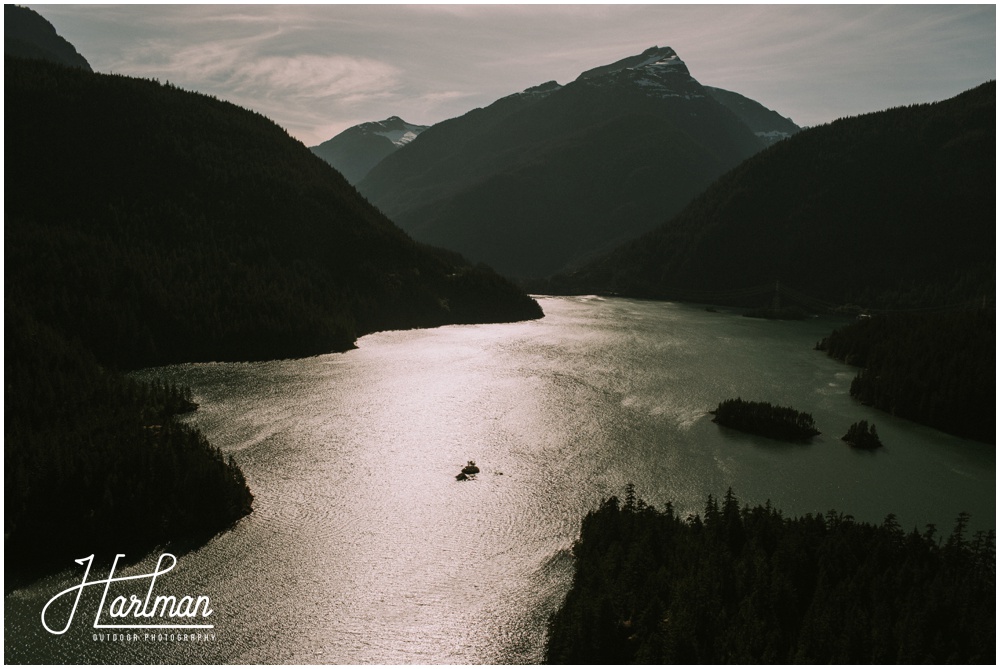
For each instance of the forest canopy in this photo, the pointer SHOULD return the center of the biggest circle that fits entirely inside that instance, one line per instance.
(934, 368)
(742, 585)
(765, 419)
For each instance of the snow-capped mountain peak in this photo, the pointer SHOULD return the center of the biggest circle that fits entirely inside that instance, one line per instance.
(358, 149)
(395, 129)
(658, 71)
(661, 58)
(654, 60)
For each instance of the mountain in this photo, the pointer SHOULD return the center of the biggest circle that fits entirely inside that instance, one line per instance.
(28, 35)
(358, 149)
(145, 225)
(184, 228)
(544, 179)
(768, 125)
(894, 208)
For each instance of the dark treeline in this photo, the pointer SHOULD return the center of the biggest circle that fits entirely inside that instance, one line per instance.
(146, 225)
(937, 368)
(749, 586)
(95, 462)
(765, 419)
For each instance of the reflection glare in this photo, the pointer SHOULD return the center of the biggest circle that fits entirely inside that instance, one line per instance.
(363, 548)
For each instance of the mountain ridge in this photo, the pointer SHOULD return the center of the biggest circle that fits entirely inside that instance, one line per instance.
(548, 177)
(897, 200)
(653, 57)
(767, 124)
(27, 34)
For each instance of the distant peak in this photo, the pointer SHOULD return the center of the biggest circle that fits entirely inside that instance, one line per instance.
(657, 53)
(395, 129)
(392, 121)
(660, 59)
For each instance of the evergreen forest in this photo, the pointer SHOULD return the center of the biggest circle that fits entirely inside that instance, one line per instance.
(765, 419)
(934, 368)
(95, 462)
(162, 226)
(146, 225)
(862, 435)
(742, 585)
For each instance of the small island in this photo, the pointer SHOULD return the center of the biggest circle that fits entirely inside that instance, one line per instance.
(765, 419)
(861, 435)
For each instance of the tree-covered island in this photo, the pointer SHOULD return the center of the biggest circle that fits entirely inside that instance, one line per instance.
(765, 419)
(862, 435)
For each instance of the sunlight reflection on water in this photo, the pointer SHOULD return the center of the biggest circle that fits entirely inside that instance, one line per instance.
(363, 548)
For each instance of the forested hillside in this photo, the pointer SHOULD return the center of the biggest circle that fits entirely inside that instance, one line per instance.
(938, 369)
(741, 585)
(95, 462)
(162, 226)
(887, 209)
(146, 225)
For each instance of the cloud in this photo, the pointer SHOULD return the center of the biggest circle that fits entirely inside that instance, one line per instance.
(315, 76)
(318, 68)
(238, 67)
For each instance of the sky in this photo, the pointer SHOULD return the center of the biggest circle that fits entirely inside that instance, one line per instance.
(317, 70)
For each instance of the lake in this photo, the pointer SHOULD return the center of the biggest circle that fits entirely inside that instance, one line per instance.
(363, 547)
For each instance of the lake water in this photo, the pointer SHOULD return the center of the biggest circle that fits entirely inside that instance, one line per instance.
(363, 548)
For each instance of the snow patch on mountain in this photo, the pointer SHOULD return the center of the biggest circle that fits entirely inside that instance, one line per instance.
(662, 60)
(658, 71)
(395, 129)
(401, 136)
(655, 87)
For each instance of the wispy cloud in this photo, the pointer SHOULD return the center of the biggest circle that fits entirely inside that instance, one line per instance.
(239, 67)
(313, 76)
(317, 69)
